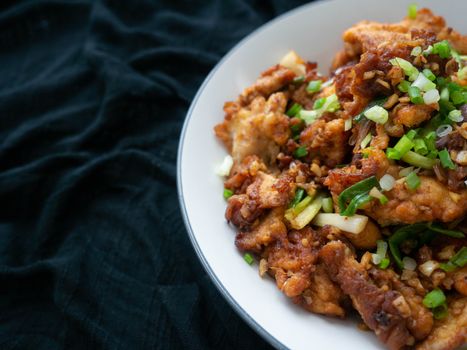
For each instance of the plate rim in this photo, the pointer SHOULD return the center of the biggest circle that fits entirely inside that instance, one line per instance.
(267, 336)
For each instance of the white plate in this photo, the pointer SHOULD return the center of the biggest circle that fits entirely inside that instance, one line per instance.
(314, 31)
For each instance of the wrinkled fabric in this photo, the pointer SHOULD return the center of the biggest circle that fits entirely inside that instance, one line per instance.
(93, 250)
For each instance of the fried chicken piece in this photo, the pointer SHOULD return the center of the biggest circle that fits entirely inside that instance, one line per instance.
(339, 179)
(291, 261)
(399, 37)
(323, 296)
(270, 81)
(267, 230)
(431, 201)
(386, 311)
(326, 140)
(259, 128)
(451, 332)
(411, 115)
(265, 192)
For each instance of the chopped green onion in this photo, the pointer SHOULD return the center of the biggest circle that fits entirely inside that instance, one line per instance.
(327, 205)
(366, 140)
(431, 96)
(456, 116)
(450, 233)
(411, 134)
(408, 68)
(383, 199)
(445, 159)
(307, 214)
(458, 260)
(403, 145)
(299, 193)
(248, 258)
(434, 299)
(444, 94)
(418, 160)
(309, 117)
(415, 95)
(429, 74)
(361, 187)
(377, 114)
(299, 80)
(413, 181)
(404, 86)
(319, 103)
(354, 224)
(412, 11)
(448, 267)
(357, 202)
(441, 82)
(462, 73)
(440, 312)
(381, 250)
(401, 235)
(442, 49)
(416, 51)
(428, 50)
(302, 205)
(420, 147)
(378, 102)
(300, 152)
(228, 193)
(314, 86)
(457, 97)
(348, 124)
(296, 129)
(391, 153)
(294, 110)
(423, 83)
(384, 263)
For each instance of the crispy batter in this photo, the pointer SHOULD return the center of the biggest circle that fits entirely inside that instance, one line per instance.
(326, 141)
(257, 129)
(450, 332)
(377, 306)
(429, 202)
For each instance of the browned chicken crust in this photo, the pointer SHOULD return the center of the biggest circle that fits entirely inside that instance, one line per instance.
(324, 269)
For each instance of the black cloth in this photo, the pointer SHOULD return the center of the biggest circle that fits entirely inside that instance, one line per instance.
(93, 250)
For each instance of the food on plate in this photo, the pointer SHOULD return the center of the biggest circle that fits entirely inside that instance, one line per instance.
(350, 190)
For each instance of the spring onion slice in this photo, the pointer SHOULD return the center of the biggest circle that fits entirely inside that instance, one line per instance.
(400, 236)
(357, 202)
(381, 249)
(450, 233)
(228, 193)
(458, 260)
(314, 86)
(442, 49)
(413, 181)
(446, 160)
(328, 206)
(418, 160)
(408, 68)
(403, 145)
(434, 299)
(299, 193)
(307, 214)
(377, 114)
(363, 186)
(423, 83)
(366, 140)
(248, 258)
(354, 224)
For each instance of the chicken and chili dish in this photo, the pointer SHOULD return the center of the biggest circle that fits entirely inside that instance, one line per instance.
(350, 190)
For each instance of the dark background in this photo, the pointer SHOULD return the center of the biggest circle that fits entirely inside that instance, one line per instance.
(93, 250)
